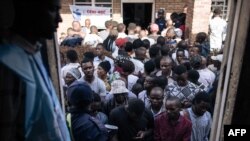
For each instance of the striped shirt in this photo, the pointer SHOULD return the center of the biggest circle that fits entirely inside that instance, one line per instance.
(200, 125)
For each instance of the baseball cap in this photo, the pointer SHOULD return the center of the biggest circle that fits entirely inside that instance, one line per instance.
(118, 87)
(161, 11)
(120, 42)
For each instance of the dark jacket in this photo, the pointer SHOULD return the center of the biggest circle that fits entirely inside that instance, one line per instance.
(86, 127)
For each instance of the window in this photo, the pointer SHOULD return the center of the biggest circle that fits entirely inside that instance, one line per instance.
(222, 4)
(83, 2)
(103, 1)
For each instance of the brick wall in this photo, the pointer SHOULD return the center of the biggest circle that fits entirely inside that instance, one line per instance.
(197, 17)
(170, 5)
(189, 18)
(196, 21)
(116, 9)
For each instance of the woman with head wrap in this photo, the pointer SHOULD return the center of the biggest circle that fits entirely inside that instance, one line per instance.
(72, 75)
(102, 70)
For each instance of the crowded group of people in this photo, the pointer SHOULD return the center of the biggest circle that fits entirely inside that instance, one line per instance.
(141, 84)
(133, 84)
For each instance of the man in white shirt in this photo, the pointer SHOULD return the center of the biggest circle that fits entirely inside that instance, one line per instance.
(121, 31)
(217, 28)
(143, 35)
(105, 33)
(86, 28)
(207, 77)
(92, 39)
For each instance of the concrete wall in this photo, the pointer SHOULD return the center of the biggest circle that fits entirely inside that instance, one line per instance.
(198, 15)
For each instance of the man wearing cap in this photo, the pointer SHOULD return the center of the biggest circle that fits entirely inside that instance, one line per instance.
(120, 92)
(160, 21)
(84, 126)
(120, 43)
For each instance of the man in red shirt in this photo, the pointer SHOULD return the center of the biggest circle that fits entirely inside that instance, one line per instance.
(170, 125)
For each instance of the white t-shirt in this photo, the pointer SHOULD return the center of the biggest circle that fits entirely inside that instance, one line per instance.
(143, 96)
(104, 34)
(122, 35)
(131, 81)
(151, 41)
(218, 28)
(86, 30)
(139, 66)
(207, 77)
(92, 40)
(97, 85)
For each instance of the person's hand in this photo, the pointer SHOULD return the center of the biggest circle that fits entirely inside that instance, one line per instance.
(140, 135)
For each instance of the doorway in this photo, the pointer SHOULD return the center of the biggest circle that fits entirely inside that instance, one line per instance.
(139, 13)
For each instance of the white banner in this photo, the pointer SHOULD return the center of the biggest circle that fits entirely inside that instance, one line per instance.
(95, 14)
